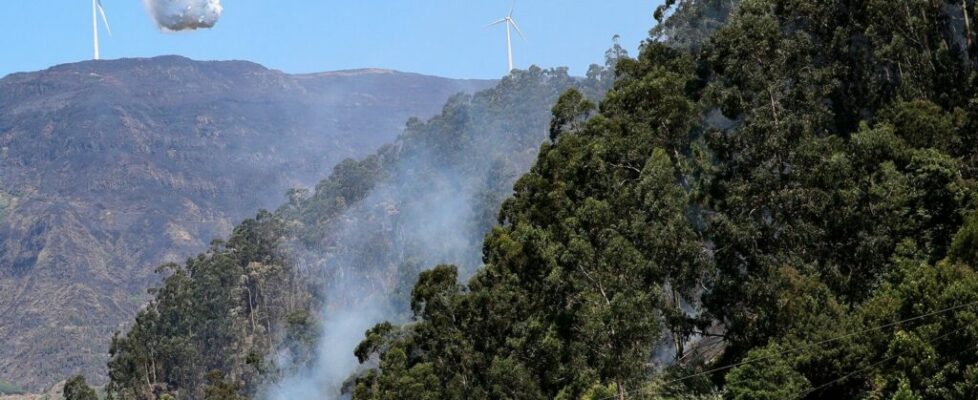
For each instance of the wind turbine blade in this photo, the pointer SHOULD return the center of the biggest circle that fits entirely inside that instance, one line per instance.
(496, 23)
(513, 21)
(104, 18)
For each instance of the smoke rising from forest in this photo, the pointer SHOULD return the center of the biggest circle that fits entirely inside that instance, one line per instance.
(184, 15)
(409, 223)
(441, 188)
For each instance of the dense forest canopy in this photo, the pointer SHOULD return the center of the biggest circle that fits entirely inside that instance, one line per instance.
(776, 200)
(803, 174)
(248, 316)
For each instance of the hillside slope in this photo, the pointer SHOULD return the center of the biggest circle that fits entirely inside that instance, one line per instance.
(799, 189)
(277, 309)
(98, 159)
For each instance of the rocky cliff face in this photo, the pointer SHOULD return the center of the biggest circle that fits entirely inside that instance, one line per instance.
(108, 169)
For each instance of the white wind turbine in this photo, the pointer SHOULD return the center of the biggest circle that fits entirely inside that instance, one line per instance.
(509, 21)
(96, 10)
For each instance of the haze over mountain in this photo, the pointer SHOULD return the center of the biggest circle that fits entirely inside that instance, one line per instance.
(774, 199)
(109, 169)
(277, 309)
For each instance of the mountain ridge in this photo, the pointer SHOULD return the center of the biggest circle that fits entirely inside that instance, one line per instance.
(97, 159)
(178, 59)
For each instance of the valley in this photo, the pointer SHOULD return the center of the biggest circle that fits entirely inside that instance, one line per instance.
(110, 169)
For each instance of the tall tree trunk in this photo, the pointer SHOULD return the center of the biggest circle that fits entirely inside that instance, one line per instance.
(967, 24)
(251, 309)
(678, 336)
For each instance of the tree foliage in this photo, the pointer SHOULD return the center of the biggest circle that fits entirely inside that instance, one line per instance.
(248, 311)
(77, 389)
(793, 174)
(777, 198)
(222, 311)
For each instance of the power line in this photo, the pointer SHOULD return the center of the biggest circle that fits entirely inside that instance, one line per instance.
(880, 362)
(826, 341)
(805, 347)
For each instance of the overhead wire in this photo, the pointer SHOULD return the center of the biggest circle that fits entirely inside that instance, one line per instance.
(881, 362)
(809, 346)
(826, 341)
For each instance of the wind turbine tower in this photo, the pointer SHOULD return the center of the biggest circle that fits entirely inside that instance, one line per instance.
(510, 22)
(96, 10)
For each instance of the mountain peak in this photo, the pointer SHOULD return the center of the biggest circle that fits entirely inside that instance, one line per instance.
(167, 153)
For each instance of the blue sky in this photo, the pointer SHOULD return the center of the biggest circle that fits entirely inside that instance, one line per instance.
(438, 37)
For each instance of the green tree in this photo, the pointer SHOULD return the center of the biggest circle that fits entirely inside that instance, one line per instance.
(219, 388)
(221, 311)
(569, 113)
(773, 378)
(793, 166)
(76, 389)
(764, 176)
(904, 392)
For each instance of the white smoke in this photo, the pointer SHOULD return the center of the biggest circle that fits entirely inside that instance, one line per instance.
(429, 210)
(182, 15)
(429, 230)
(335, 362)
